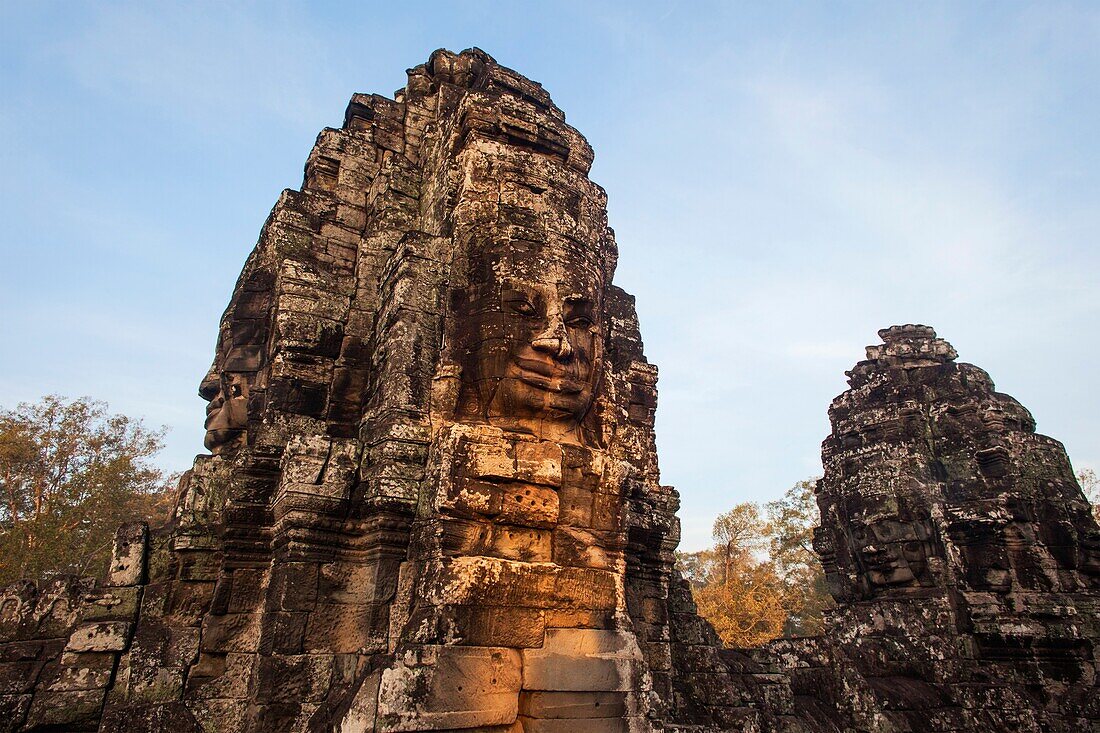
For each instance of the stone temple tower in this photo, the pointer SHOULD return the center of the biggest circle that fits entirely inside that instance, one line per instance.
(431, 421)
(432, 501)
(963, 556)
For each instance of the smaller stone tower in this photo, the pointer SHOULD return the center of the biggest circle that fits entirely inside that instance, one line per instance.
(960, 549)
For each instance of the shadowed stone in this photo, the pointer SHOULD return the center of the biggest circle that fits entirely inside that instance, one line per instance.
(961, 552)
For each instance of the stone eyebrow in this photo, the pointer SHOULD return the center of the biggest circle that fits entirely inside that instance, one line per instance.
(510, 290)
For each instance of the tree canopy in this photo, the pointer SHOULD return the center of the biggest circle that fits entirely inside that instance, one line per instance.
(761, 579)
(70, 473)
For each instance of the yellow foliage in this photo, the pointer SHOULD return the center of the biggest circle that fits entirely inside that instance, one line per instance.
(747, 609)
(761, 579)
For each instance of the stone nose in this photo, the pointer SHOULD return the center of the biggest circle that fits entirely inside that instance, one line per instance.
(210, 386)
(554, 340)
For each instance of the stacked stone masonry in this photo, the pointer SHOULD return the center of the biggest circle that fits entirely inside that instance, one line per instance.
(432, 500)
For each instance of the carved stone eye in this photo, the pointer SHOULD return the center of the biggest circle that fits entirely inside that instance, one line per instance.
(523, 307)
(579, 322)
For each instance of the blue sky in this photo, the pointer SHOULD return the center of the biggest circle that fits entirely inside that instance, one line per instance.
(784, 180)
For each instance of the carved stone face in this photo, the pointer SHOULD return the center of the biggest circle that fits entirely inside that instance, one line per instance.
(1074, 541)
(532, 352)
(980, 539)
(892, 552)
(1089, 563)
(227, 413)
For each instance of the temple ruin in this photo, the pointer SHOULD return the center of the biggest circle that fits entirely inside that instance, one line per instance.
(432, 500)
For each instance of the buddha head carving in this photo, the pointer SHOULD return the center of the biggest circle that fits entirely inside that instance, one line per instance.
(891, 550)
(227, 411)
(530, 344)
(978, 533)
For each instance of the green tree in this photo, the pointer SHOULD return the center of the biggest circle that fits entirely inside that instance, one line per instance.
(791, 521)
(70, 473)
(697, 567)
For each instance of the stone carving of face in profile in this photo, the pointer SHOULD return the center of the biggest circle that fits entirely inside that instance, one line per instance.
(1089, 561)
(532, 349)
(824, 545)
(892, 552)
(1070, 535)
(227, 413)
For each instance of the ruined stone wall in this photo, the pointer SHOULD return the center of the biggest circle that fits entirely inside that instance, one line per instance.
(60, 644)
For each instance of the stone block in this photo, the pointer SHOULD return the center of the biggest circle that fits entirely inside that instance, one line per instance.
(580, 618)
(491, 460)
(496, 582)
(575, 506)
(608, 511)
(526, 544)
(338, 627)
(128, 555)
(342, 582)
(13, 709)
(288, 631)
(103, 636)
(290, 678)
(539, 463)
(528, 505)
(231, 632)
(17, 678)
(247, 591)
(363, 710)
(90, 671)
(442, 688)
(217, 676)
(21, 651)
(220, 715)
(69, 710)
(578, 547)
(588, 725)
(491, 539)
(111, 604)
(573, 705)
(468, 497)
(583, 660)
(496, 626)
(295, 585)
